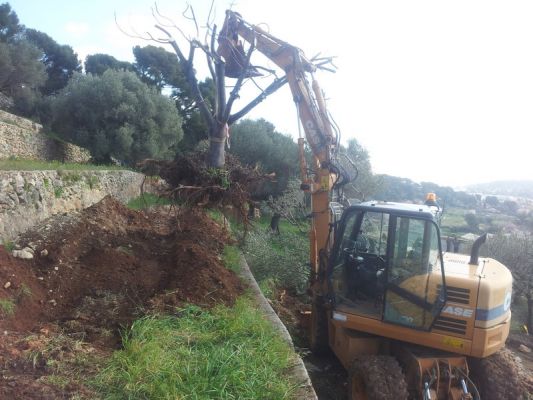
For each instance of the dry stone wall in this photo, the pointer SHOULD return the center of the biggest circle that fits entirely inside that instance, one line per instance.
(22, 138)
(29, 197)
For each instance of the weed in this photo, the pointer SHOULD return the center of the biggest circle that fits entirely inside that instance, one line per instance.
(23, 292)
(46, 183)
(58, 192)
(72, 177)
(93, 181)
(7, 307)
(9, 246)
(223, 353)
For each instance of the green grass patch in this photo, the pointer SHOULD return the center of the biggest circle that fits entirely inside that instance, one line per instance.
(223, 353)
(58, 192)
(216, 215)
(9, 246)
(7, 307)
(232, 258)
(148, 200)
(282, 259)
(35, 165)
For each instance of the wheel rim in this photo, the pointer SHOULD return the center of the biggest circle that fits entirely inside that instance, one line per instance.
(358, 389)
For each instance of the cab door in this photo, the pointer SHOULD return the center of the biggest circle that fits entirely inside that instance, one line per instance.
(414, 274)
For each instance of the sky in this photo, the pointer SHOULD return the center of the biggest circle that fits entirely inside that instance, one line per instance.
(438, 91)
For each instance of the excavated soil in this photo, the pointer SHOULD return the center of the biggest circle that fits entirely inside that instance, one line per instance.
(92, 274)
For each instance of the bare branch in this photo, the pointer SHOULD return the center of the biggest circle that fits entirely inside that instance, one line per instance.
(191, 78)
(173, 43)
(209, 55)
(195, 22)
(210, 11)
(135, 36)
(171, 24)
(267, 92)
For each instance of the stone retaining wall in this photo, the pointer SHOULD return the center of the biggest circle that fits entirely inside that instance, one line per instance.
(28, 197)
(22, 138)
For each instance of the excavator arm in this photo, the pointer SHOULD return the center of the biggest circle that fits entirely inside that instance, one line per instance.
(312, 112)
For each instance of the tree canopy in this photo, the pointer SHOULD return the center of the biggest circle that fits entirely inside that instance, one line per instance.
(116, 115)
(257, 144)
(161, 69)
(99, 63)
(9, 23)
(60, 60)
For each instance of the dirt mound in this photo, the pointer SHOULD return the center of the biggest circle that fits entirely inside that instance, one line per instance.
(94, 272)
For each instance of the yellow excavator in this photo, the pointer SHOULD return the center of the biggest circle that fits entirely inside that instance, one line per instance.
(402, 316)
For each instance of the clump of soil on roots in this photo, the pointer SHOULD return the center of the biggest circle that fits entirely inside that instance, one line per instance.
(193, 182)
(93, 273)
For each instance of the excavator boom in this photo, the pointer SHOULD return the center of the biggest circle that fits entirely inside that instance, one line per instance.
(311, 108)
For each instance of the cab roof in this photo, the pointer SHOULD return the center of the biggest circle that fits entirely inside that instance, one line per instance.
(406, 209)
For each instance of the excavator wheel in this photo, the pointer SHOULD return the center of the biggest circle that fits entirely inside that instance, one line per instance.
(318, 337)
(498, 377)
(376, 377)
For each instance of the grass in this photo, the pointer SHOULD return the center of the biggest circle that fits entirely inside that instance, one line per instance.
(9, 246)
(7, 307)
(148, 200)
(283, 258)
(223, 353)
(35, 165)
(68, 361)
(232, 258)
(58, 192)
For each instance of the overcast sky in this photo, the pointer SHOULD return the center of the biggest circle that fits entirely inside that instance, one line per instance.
(436, 91)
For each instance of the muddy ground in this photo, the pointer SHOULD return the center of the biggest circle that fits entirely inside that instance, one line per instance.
(92, 274)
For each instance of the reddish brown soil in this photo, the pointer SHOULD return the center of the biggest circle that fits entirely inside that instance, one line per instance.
(95, 272)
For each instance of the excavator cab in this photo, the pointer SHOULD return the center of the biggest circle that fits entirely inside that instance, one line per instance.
(387, 264)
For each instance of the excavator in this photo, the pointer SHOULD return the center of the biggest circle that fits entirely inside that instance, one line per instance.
(404, 318)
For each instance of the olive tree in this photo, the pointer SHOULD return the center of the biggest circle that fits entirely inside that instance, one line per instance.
(116, 115)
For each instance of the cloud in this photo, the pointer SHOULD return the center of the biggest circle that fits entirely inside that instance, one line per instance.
(76, 28)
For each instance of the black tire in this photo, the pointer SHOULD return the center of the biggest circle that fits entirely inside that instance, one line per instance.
(499, 377)
(318, 335)
(376, 378)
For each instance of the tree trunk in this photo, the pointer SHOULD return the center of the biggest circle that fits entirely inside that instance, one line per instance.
(274, 223)
(216, 157)
(530, 313)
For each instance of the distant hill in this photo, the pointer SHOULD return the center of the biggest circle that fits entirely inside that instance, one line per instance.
(394, 188)
(505, 188)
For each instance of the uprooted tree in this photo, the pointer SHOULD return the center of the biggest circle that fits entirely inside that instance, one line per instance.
(225, 57)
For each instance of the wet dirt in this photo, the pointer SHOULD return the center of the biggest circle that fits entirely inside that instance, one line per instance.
(92, 274)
